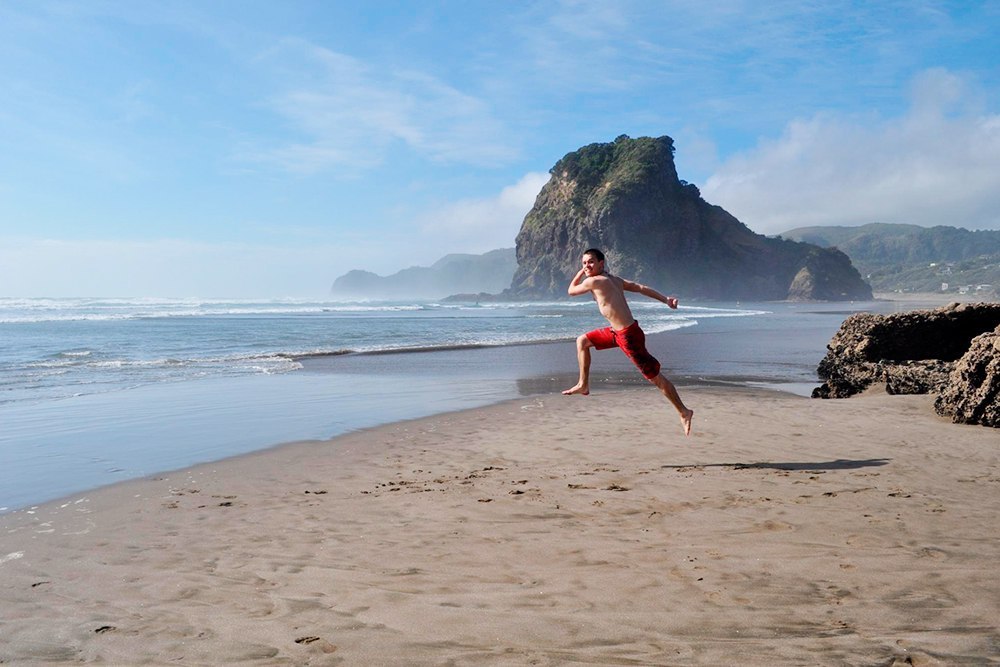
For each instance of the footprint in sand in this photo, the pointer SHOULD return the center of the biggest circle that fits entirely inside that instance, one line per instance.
(770, 525)
(317, 642)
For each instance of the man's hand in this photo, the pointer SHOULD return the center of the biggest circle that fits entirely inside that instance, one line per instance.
(672, 302)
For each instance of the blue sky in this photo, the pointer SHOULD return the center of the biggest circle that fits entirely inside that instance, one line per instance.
(261, 149)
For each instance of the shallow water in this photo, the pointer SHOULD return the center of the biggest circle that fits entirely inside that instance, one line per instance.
(100, 398)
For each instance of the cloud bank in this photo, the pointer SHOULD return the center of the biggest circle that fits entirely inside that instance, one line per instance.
(937, 164)
(487, 223)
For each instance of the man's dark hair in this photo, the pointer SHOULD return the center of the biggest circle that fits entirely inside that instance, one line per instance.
(598, 255)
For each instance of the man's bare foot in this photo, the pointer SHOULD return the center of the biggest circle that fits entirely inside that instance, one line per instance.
(578, 388)
(686, 418)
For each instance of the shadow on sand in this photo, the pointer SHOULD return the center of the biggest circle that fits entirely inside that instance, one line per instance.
(839, 464)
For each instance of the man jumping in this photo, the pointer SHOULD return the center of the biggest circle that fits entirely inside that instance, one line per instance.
(624, 332)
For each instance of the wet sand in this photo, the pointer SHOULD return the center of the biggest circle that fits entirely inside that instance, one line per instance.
(547, 530)
(924, 300)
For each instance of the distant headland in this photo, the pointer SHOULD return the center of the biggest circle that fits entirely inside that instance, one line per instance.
(626, 198)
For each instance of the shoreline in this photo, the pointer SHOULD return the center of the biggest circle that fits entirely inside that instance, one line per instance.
(541, 530)
(610, 381)
(54, 448)
(932, 299)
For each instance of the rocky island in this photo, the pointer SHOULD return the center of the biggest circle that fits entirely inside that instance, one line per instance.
(625, 197)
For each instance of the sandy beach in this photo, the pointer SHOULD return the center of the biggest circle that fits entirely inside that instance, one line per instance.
(547, 530)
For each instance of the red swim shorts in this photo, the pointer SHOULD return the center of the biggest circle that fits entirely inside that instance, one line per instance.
(632, 342)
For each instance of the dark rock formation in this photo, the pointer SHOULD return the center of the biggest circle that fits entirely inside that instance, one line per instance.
(973, 392)
(911, 353)
(490, 272)
(625, 198)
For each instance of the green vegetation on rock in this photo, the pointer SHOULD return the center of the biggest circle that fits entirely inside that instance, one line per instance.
(625, 198)
(909, 258)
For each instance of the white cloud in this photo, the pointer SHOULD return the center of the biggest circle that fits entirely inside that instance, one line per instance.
(936, 165)
(480, 225)
(349, 113)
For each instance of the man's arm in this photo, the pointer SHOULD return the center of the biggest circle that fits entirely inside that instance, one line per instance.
(650, 292)
(579, 284)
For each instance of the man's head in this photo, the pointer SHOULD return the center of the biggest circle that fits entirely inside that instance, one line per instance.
(593, 262)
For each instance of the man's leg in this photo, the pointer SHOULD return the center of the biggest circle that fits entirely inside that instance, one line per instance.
(668, 389)
(583, 346)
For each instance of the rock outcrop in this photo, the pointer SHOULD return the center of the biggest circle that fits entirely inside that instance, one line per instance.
(625, 198)
(972, 395)
(952, 351)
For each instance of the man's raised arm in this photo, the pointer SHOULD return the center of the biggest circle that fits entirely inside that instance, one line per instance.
(576, 286)
(650, 292)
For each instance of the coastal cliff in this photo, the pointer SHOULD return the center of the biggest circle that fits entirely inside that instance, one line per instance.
(625, 197)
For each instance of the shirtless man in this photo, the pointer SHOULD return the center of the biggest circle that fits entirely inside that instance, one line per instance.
(624, 332)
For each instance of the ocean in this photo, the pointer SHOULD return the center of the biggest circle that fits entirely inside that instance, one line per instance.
(95, 391)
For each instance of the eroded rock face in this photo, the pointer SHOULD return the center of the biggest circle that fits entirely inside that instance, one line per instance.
(911, 353)
(625, 198)
(972, 395)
